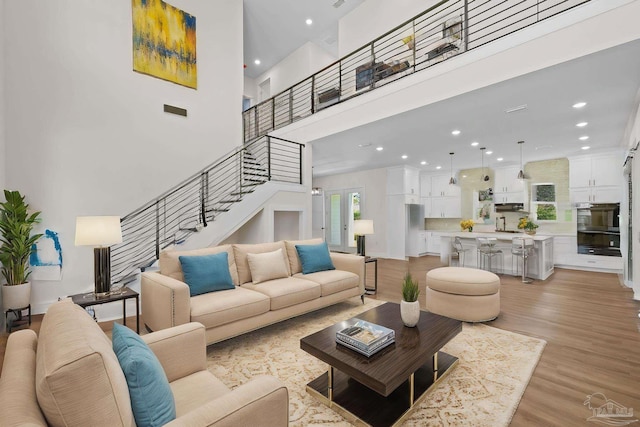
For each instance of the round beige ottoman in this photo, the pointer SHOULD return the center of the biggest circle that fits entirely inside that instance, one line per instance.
(466, 294)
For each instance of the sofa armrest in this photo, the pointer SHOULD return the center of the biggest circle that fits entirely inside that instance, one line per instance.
(18, 401)
(165, 301)
(263, 401)
(352, 263)
(181, 350)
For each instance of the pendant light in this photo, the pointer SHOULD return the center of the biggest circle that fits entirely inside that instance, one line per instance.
(452, 180)
(484, 176)
(521, 173)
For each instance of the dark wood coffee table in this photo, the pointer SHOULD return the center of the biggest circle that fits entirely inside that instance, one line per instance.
(382, 389)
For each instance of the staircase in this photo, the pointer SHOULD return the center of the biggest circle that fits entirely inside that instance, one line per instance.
(202, 199)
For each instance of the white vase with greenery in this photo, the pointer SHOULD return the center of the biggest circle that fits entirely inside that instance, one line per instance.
(16, 241)
(410, 306)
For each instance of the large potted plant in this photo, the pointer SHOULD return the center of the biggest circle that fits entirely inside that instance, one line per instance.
(16, 241)
(410, 306)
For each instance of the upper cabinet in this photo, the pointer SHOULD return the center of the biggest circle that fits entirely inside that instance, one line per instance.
(596, 178)
(440, 199)
(404, 180)
(508, 188)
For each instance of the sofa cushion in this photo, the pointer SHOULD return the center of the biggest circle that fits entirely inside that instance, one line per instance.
(193, 391)
(267, 266)
(206, 273)
(242, 263)
(287, 292)
(223, 307)
(151, 397)
(78, 377)
(170, 261)
(292, 253)
(332, 281)
(314, 258)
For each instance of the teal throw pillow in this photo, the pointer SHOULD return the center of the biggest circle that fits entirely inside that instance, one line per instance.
(151, 397)
(206, 273)
(314, 258)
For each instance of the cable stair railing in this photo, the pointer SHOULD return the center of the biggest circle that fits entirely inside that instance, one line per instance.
(447, 29)
(199, 200)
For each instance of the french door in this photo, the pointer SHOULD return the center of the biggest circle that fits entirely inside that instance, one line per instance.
(342, 207)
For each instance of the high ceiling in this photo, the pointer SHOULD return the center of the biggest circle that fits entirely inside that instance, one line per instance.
(608, 81)
(275, 28)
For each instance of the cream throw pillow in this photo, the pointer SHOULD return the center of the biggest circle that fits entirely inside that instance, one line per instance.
(267, 266)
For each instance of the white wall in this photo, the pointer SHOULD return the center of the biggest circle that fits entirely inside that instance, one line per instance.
(302, 63)
(85, 135)
(373, 18)
(250, 89)
(374, 207)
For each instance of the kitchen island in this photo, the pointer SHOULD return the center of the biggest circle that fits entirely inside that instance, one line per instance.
(539, 263)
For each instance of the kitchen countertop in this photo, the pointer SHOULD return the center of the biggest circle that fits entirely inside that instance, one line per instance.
(498, 235)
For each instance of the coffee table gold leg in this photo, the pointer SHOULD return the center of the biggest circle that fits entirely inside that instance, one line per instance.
(435, 367)
(411, 390)
(330, 383)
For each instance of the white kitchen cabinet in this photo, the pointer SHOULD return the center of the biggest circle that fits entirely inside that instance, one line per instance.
(404, 180)
(440, 199)
(416, 244)
(507, 187)
(565, 254)
(433, 242)
(596, 178)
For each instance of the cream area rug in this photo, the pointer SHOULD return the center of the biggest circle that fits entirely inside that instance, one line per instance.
(484, 389)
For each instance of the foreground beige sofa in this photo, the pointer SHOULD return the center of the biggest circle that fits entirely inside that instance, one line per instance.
(70, 376)
(166, 301)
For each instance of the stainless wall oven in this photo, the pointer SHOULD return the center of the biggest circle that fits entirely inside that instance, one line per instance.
(599, 229)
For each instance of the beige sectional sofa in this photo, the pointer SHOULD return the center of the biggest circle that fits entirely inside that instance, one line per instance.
(70, 376)
(166, 300)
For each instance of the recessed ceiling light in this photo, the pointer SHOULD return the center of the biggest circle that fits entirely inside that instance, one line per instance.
(474, 144)
(257, 62)
(586, 147)
(379, 148)
(582, 124)
(499, 159)
(404, 156)
(423, 162)
(489, 153)
(438, 167)
(583, 138)
(579, 104)
(309, 21)
(455, 132)
(464, 176)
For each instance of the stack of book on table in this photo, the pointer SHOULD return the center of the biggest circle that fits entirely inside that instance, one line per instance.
(365, 337)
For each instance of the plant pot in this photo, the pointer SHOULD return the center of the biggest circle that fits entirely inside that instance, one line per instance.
(530, 232)
(16, 296)
(410, 313)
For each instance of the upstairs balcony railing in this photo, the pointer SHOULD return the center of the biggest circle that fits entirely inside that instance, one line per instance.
(445, 30)
(199, 200)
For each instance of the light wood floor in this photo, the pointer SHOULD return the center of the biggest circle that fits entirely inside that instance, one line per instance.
(591, 326)
(590, 323)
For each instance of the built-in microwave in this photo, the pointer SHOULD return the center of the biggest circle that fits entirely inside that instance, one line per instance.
(598, 227)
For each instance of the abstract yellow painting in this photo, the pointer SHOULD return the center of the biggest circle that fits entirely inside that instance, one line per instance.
(164, 42)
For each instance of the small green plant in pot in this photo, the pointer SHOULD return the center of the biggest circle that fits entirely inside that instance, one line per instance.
(16, 241)
(410, 306)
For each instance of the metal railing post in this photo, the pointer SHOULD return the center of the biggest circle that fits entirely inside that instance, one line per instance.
(273, 113)
(300, 161)
(291, 105)
(158, 229)
(204, 179)
(268, 158)
(466, 25)
(313, 98)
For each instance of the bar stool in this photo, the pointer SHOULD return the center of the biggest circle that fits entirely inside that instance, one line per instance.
(487, 252)
(522, 247)
(458, 251)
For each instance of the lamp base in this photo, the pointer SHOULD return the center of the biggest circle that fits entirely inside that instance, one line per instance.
(102, 271)
(360, 245)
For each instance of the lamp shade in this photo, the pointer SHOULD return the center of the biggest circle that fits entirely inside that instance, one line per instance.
(98, 230)
(362, 227)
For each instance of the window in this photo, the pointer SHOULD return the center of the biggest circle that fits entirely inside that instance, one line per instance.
(543, 202)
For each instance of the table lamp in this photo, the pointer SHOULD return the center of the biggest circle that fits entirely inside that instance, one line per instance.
(100, 232)
(362, 227)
